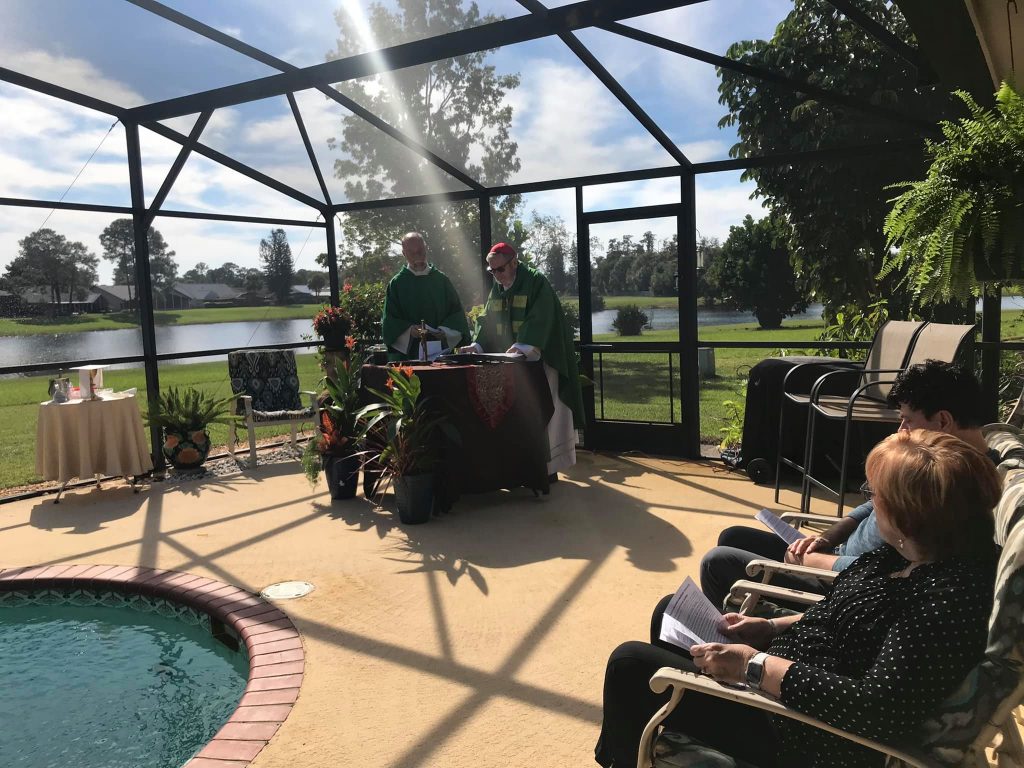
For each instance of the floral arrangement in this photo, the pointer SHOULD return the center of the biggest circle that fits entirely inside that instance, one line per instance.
(332, 322)
(403, 427)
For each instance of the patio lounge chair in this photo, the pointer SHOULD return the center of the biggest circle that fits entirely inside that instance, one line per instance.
(966, 724)
(889, 350)
(866, 404)
(267, 384)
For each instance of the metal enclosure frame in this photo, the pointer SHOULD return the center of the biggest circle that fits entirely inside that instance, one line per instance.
(540, 22)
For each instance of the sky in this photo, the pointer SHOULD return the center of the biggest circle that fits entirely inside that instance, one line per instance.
(564, 121)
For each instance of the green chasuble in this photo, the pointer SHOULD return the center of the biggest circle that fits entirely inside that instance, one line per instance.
(430, 298)
(529, 312)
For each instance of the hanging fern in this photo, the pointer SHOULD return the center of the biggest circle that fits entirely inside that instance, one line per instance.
(968, 210)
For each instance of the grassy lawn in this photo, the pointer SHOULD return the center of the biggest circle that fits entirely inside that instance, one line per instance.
(26, 326)
(20, 398)
(635, 384)
(614, 302)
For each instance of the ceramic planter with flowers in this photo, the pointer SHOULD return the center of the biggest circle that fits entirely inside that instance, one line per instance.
(183, 416)
(406, 430)
(335, 446)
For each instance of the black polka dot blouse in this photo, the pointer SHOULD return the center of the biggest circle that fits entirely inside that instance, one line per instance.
(879, 653)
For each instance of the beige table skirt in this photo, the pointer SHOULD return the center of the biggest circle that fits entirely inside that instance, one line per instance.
(83, 438)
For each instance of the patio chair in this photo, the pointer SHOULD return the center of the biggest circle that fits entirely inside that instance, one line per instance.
(267, 384)
(956, 735)
(889, 349)
(867, 403)
(746, 595)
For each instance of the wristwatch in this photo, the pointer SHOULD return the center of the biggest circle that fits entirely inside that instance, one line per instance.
(755, 670)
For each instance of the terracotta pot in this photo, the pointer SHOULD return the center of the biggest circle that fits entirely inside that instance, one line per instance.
(186, 451)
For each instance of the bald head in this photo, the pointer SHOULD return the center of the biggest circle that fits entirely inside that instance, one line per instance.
(414, 248)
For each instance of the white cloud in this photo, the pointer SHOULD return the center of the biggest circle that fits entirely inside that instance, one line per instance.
(722, 202)
(567, 124)
(76, 74)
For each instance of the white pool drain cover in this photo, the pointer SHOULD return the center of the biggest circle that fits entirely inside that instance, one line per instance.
(286, 590)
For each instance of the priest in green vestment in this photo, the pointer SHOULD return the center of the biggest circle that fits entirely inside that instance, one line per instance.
(421, 293)
(524, 316)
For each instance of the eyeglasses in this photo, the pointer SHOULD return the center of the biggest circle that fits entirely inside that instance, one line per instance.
(866, 490)
(502, 268)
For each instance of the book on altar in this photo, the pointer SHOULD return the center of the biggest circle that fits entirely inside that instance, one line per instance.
(691, 619)
(783, 530)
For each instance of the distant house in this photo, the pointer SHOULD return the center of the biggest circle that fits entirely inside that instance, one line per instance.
(114, 298)
(303, 294)
(253, 299)
(39, 301)
(195, 295)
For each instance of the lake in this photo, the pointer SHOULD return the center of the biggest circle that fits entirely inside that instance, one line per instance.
(43, 349)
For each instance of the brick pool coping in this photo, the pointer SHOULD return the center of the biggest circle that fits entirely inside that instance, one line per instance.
(276, 657)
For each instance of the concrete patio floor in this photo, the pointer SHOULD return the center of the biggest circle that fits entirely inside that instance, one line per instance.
(477, 640)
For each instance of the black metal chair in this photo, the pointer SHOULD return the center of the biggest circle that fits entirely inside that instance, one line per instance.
(867, 403)
(889, 350)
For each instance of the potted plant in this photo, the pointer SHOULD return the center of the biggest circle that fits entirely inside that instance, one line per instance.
(406, 431)
(963, 222)
(184, 416)
(333, 325)
(334, 447)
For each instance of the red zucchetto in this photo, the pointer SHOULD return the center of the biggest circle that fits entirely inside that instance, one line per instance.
(503, 248)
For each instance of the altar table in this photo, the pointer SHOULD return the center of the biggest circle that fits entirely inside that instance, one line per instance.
(500, 410)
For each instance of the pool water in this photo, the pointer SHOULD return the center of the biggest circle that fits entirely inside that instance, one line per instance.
(94, 685)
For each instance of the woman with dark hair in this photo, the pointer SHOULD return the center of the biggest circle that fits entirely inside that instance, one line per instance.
(898, 632)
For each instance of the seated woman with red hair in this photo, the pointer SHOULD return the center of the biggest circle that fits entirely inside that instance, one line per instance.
(899, 631)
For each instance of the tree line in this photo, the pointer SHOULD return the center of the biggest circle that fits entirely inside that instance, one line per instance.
(66, 270)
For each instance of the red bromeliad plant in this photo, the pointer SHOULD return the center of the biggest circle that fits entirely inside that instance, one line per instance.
(341, 429)
(406, 426)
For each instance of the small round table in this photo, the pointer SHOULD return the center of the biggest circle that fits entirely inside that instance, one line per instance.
(87, 438)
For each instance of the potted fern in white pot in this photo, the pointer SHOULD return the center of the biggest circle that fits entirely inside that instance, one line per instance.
(963, 224)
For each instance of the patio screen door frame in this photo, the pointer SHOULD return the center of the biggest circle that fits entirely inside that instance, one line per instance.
(673, 439)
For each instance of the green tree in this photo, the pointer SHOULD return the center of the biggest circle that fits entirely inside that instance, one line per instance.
(457, 108)
(48, 261)
(200, 273)
(754, 271)
(227, 273)
(278, 266)
(547, 245)
(317, 283)
(708, 250)
(836, 207)
(118, 241)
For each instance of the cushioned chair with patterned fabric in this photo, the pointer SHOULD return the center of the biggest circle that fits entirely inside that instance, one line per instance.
(970, 718)
(267, 384)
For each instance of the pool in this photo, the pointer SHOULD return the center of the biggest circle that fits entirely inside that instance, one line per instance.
(112, 680)
(183, 648)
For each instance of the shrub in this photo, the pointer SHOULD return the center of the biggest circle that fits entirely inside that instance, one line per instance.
(572, 316)
(364, 303)
(596, 301)
(630, 320)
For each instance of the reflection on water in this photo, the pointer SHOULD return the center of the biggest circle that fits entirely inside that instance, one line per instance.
(170, 339)
(42, 349)
(667, 318)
